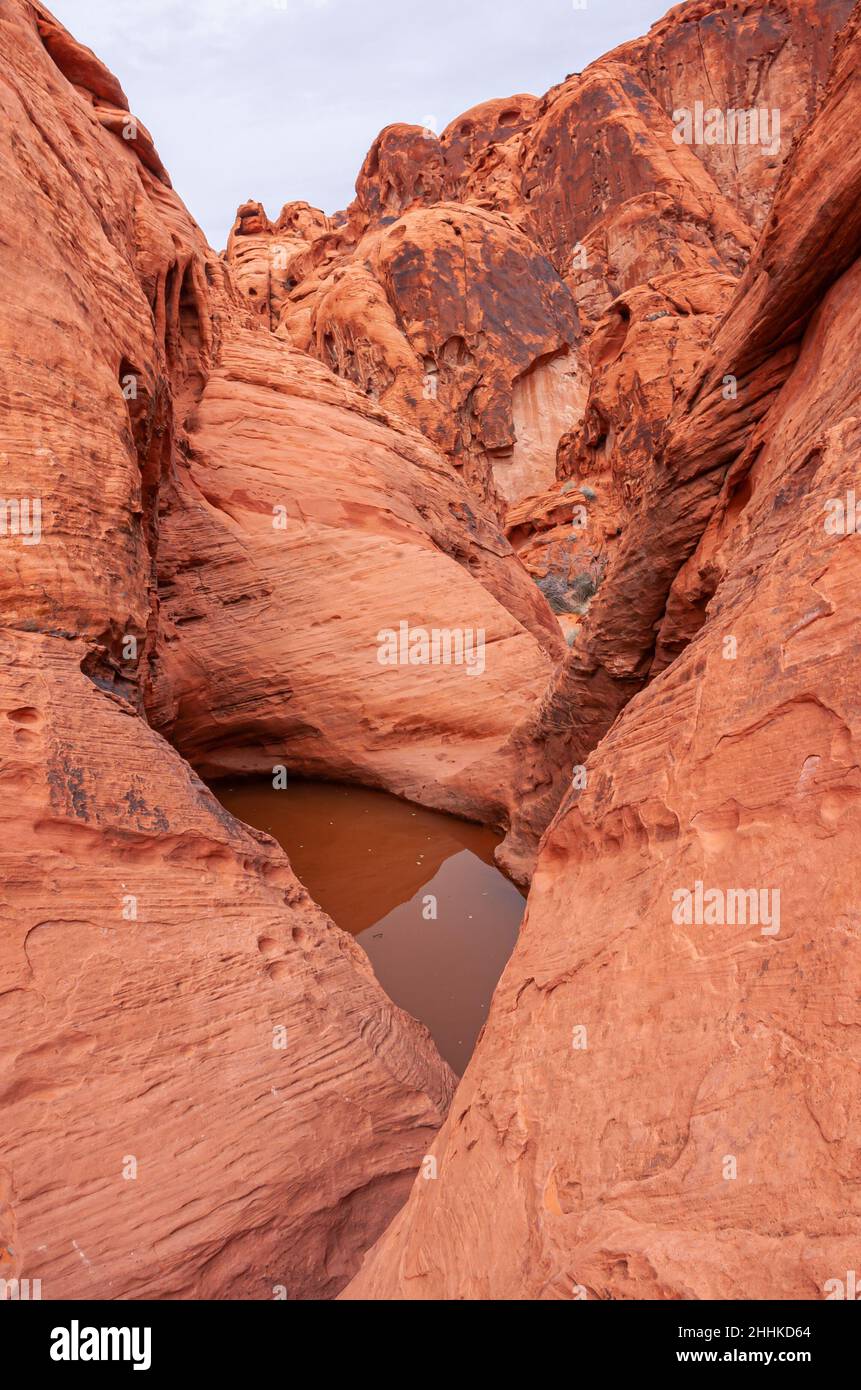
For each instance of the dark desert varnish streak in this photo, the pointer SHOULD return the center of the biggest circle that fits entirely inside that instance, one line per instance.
(370, 861)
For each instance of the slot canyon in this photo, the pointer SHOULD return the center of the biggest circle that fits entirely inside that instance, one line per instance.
(430, 692)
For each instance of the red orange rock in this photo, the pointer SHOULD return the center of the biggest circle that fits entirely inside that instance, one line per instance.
(300, 498)
(664, 1102)
(171, 1002)
(534, 315)
(596, 179)
(158, 1139)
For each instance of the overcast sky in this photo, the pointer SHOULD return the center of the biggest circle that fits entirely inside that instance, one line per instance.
(280, 99)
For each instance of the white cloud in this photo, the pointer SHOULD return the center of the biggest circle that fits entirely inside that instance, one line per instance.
(249, 99)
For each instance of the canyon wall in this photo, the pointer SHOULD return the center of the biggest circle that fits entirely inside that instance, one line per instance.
(534, 287)
(458, 287)
(665, 1100)
(553, 344)
(299, 526)
(205, 1091)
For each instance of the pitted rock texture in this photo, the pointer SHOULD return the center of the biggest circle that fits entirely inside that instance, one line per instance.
(651, 601)
(437, 291)
(440, 316)
(666, 1105)
(639, 360)
(742, 57)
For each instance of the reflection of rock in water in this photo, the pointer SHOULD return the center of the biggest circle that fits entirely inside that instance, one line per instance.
(372, 860)
(359, 853)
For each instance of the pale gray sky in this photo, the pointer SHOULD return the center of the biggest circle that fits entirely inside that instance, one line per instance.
(281, 99)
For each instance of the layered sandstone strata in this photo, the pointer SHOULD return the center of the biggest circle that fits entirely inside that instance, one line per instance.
(300, 527)
(205, 1091)
(447, 290)
(664, 1102)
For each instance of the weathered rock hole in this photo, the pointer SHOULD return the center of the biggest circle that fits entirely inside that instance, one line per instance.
(23, 716)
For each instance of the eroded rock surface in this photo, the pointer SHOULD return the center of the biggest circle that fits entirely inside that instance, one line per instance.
(664, 1103)
(247, 469)
(205, 1091)
(202, 1083)
(282, 610)
(438, 291)
(438, 315)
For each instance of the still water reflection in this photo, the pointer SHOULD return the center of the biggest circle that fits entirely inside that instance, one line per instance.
(375, 864)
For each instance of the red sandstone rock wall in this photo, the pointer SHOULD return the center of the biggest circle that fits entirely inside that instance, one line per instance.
(662, 1107)
(284, 620)
(156, 1140)
(436, 315)
(151, 946)
(172, 1005)
(739, 56)
(433, 292)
